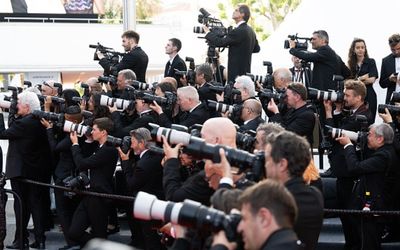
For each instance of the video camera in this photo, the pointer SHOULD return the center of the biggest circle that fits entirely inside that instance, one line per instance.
(266, 81)
(299, 45)
(188, 213)
(109, 53)
(198, 148)
(214, 24)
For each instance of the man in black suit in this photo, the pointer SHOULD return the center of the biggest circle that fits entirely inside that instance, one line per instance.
(28, 157)
(194, 111)
(268, 213)
(355, 92)
(300, 117)
(146, 176)
(251, 115)
(175, 63)
(287, 156)
(391, 66)
(135, 58)
(99, 167)
(146, 116)
(242, 42)
(204, 75)
(372, 173)
(324, 58)
(301, 72)
(124, 77)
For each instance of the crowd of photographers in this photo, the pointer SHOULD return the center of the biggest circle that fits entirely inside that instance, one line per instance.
(189, 142)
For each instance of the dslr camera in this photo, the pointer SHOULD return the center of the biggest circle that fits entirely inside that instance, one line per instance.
(301, 42)
(188, 213)
(57, 118)
(108, 79)
(266, 81)
(123, 143)
(76, 182)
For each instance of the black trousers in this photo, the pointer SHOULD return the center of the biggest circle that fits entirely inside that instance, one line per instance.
(32, 203)
(65, 207)
(91, 211)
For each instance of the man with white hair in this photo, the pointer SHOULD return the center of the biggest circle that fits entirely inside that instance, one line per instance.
(28, 157)
(195, 112)
(246, 87)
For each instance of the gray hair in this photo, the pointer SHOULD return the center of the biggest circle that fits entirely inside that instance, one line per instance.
(283, 73)
(142, 135)
(384, 130)
(322, 34)
(31, 99)
(245, 82)
(128, 74)
(189, 92)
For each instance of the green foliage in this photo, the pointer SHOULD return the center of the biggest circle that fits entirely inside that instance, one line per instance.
(266, 15)
(145, 9)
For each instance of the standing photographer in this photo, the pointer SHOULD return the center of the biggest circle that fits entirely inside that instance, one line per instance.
(135, 58)
(242, 43)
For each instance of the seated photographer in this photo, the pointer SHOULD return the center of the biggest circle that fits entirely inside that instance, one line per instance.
(375, 187)
(300, 117)
(146, 116)
(251, 115)
(93, 211)
(144, 175)
(268, 214)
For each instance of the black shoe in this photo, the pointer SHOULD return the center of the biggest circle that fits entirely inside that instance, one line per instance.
(38, 245)
(15, 245)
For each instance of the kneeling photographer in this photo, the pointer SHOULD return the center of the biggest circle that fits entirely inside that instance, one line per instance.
(375, 186)
(93, 211)
(300, 118)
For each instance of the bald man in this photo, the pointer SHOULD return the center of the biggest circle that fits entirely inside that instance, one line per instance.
(251, 115)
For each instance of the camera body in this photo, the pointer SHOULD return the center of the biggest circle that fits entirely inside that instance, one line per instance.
(57, 118)
(76, 182)
(246, 140)
(231, 95)
(235, 110)
(277, 96)
(108, 79)
(302, 45)
(190, 75)
(123, 143)
(393, 109)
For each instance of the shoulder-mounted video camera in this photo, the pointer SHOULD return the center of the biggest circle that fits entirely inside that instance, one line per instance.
(301, 42)
(213, 23)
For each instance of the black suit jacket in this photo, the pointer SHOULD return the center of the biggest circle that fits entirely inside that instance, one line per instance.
(139, 122)
(325, 66)
(251, 125)
(242, 43)
(300, 121)
(136, 60)
(146, 175)
(28, 152)
(100, 166)
(388, 67)
(177, 64)
(372, 173)
(194, 188)
(310, 214)
(198, 116)
(336, 157)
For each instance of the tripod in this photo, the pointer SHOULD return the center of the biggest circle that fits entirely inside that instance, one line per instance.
(213, 59)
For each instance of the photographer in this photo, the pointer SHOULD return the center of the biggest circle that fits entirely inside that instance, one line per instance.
(135, 58)
(374, 189)
(145, 175)
(246, 87)
(194, 111)
(28, 157)
(175, 63)
(204, 75)
(301, 71)
(242, 42)
(123, 79)
(268, 213)
(355, 92)
(389, 67)
(93, 211)
(300, 117)
(326, 62)
(251, 115)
